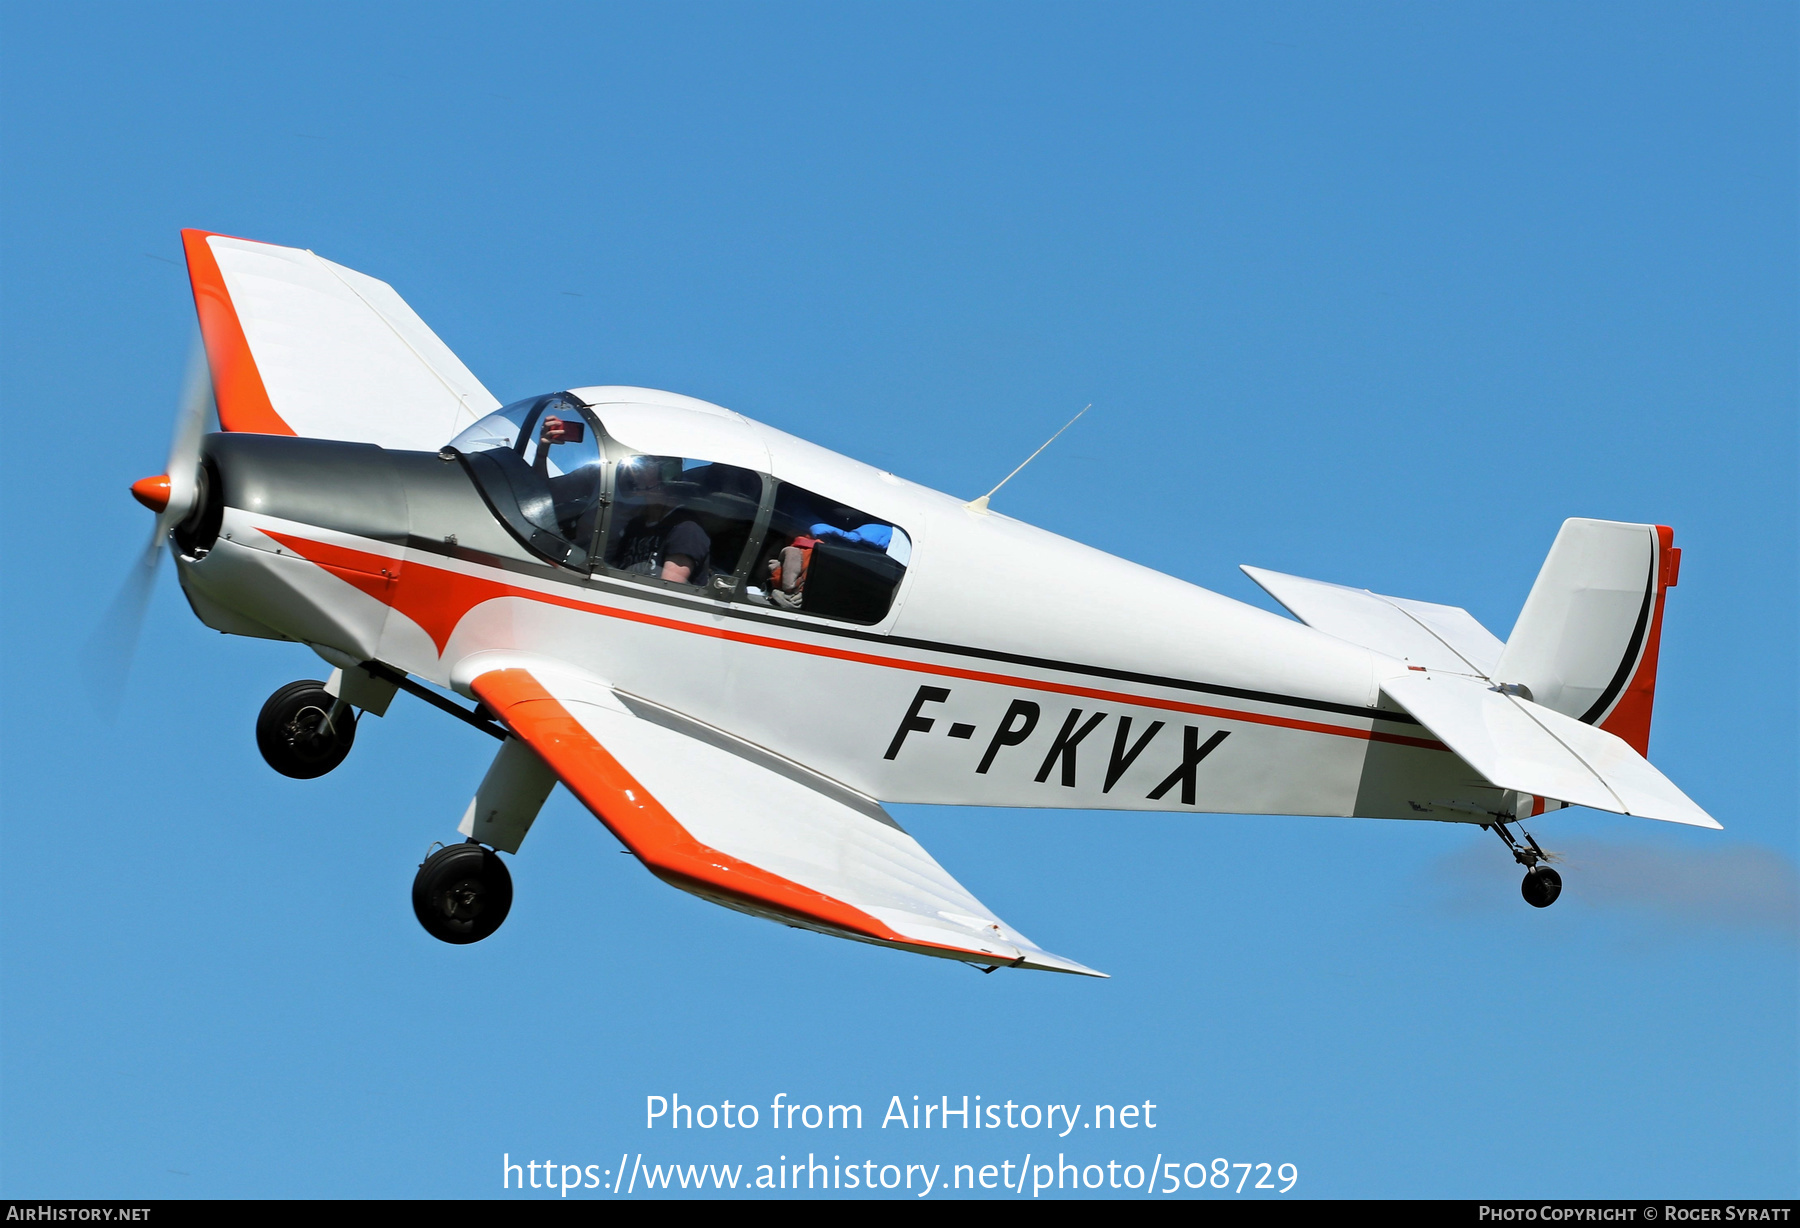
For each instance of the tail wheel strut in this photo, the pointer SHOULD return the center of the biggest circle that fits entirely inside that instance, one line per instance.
(1542, 884)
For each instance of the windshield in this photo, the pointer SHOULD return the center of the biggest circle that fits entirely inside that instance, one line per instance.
(558, 451)
(538, 463)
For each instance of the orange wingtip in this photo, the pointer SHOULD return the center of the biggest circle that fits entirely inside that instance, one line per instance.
(237, 384)
(153, 493)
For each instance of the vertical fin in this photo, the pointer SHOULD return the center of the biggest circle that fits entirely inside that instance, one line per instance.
(1587, 641)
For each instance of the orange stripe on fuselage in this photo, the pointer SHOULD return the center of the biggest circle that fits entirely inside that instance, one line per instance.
(634, 815)
(437, 599)
(237, 385)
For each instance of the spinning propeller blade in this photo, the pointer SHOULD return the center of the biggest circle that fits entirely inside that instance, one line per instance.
(171, 495)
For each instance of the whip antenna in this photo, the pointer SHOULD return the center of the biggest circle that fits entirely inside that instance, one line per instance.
(981, 504)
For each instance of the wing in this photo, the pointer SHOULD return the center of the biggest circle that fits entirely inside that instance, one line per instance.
(301, 346)
(1417, 632)
(1521, 745)
(742, 827)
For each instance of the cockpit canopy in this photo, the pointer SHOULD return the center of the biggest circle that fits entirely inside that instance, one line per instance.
(584, 501)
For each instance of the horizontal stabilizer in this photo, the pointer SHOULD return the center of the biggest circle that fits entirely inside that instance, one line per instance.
(741, 827)
(1442, 637)
(1525, 746)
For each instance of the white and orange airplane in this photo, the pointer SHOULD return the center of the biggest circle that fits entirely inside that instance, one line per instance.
(733, 645)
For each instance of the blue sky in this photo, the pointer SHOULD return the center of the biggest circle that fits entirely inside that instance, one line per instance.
(1377, 293)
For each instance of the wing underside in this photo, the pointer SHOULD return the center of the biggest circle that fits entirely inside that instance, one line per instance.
(744, 829)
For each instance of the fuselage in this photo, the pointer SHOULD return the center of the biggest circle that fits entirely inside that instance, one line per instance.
(1009, 666)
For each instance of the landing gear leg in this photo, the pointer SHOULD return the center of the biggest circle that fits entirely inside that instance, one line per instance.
(1542, 884)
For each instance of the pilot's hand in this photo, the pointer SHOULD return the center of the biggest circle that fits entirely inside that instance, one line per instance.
(679, 568)
(554, 430)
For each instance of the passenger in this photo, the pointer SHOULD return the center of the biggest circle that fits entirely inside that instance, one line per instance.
(787, 572)
(661, 540)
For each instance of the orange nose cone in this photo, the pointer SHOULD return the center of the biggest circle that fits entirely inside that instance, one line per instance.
(153, 493)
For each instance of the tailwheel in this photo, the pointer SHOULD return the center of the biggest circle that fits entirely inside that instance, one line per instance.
(303, 731)
(1541, 887)
(462, 893)
(1542, 884)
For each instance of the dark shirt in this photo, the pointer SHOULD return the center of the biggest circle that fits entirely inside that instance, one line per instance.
(643, 548)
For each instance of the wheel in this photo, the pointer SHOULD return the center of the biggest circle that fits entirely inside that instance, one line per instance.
(1541, 887)
(290, 731)
(462, 893)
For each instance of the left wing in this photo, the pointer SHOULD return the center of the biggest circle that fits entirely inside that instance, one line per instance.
(740, 826)
(301, 346)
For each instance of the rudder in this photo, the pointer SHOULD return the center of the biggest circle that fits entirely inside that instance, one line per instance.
(1587, 641)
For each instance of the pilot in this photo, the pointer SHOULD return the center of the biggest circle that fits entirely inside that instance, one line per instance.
(661, 539)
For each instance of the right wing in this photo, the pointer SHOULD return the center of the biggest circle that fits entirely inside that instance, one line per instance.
(301, 346)
(1417, 632)
(740, 826)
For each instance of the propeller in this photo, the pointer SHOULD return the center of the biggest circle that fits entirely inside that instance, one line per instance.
(170, 495)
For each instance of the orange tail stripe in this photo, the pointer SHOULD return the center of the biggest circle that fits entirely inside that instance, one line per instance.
(632, 814)
(1630, 717)
(237, 385)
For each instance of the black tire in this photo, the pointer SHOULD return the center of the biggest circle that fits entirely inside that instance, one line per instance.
(462, 893)
(1541, 887)
(289, 731)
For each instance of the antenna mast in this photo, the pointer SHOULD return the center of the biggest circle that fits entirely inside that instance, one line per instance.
(981, 505)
